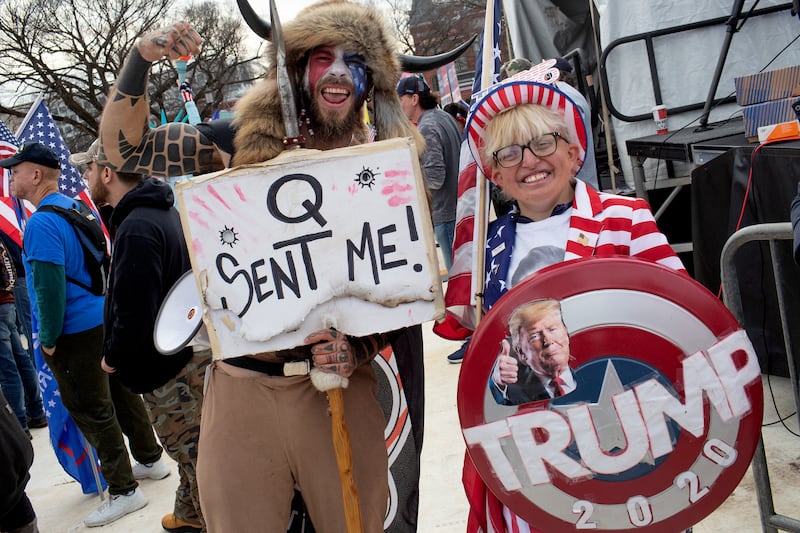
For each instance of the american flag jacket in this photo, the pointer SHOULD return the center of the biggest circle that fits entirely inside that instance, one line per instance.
(600, 224)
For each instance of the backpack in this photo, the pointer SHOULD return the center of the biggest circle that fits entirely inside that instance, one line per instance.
(93, 241)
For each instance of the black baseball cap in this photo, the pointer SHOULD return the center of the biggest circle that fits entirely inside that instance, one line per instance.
(412, 85)
(33, 152)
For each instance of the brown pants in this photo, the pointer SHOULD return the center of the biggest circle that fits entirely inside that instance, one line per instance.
(260, 435)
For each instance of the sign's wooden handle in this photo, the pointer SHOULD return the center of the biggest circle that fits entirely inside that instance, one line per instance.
(344, 460)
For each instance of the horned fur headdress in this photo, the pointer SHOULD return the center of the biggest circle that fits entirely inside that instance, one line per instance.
(359, 29)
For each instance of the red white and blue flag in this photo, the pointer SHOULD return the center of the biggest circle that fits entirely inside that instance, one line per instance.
(39, 126)
(449, 89)
(77, 458)
(10, 208)
(485, 513)
(8, 145)
(462, 279)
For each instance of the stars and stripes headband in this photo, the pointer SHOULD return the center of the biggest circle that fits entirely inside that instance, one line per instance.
(532, 86)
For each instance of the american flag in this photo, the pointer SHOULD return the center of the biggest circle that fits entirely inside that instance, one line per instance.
(8, 145)
(77, 458)
(485, 513)
(9, 221)
(460, 320)
(39, 126)
(192, 114)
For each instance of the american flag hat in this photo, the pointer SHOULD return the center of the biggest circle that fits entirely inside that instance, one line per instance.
(533, 86)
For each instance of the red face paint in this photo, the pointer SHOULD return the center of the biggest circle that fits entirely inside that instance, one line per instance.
(319, 63)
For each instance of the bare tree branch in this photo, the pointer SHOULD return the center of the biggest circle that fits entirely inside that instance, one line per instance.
(70, 51)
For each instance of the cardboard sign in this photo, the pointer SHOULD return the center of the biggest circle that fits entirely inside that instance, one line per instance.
(662, 415)
(310, 240)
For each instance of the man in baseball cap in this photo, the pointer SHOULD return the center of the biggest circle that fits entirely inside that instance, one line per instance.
(70, 318)
(32, 152)
(91, 155)
(440, 159)
(413, 85)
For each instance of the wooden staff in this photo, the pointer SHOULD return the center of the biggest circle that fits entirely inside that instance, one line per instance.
(344, 460)
(481, 217)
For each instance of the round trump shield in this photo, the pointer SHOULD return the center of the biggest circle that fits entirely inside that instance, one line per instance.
(660, 410)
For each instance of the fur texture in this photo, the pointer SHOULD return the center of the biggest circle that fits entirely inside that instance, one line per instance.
(325, 381)
(357, 28)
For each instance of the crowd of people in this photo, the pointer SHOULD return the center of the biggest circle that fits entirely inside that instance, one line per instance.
(115, 383)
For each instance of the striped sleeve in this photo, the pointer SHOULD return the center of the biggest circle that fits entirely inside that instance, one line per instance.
(647, 242)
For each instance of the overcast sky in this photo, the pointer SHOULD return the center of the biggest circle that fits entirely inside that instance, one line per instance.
(287, 9)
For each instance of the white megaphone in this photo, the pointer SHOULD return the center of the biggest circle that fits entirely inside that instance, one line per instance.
(180, 320)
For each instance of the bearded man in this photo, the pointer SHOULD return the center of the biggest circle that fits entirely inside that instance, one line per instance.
(149, 257)
(261, 431)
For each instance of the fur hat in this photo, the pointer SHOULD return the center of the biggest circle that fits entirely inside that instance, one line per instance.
(360, 29)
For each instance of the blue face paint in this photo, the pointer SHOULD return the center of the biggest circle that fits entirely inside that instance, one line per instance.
(358, 70)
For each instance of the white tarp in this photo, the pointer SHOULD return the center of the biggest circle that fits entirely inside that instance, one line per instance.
(686, 61)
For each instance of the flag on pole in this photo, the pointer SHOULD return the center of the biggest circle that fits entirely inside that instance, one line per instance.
(39, 126)
(10, 208)
(449, 89)
(8, 145)
(459, 300)
(77, 458)
(74, 454)
(486, 511)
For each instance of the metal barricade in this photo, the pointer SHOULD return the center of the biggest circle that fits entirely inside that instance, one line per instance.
(770, 521)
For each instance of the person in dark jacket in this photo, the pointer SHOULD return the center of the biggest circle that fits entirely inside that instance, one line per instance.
(149, 256)
(16, 457)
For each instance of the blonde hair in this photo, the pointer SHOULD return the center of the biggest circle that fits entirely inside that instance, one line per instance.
(531, 312)
(520, 124)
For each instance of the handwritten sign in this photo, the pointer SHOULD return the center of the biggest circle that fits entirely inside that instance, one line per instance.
(309, 240)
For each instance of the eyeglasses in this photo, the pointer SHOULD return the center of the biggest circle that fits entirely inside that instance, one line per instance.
(511, 155)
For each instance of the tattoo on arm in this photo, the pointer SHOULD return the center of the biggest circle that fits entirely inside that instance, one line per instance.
(365, 349)
(134, 75)
(130, 145)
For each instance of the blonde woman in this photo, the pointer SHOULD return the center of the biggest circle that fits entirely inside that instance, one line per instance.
(529, 139)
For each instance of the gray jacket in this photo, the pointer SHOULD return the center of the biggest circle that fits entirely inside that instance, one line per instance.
(440, 162)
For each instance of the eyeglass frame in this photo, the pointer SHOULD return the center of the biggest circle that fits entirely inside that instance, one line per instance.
(556, 135)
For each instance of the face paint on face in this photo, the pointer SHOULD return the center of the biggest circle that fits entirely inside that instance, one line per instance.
(331, 89)
(326, 65)
(358, 70)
